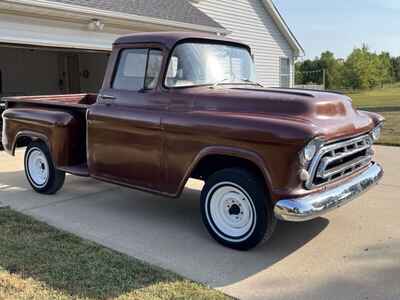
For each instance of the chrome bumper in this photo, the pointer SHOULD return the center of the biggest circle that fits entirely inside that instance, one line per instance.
(315, 205)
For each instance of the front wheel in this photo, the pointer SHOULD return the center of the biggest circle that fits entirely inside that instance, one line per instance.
(40, 171)
(235, 209)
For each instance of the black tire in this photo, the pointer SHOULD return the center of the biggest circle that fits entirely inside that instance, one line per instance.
(256, 201)
(52, 180)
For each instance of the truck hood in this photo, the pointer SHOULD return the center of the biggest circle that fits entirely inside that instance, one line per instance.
(330, 115)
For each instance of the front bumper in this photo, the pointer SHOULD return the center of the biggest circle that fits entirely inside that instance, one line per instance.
(315, 205)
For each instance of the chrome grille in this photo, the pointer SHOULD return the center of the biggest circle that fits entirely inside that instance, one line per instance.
(339, 159)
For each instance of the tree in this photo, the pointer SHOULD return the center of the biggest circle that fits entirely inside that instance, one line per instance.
(356, 69)
(333, 70)
(396, 68)
(366, 70)
(385, 68)
(362, 69)
(309, 71)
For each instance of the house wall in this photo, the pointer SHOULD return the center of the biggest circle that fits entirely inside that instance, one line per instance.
(18, 29)
(69, 30)
(250, 23)
(29, 72)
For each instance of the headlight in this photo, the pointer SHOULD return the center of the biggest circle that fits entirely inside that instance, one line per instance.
(310, 150)
(376, 133)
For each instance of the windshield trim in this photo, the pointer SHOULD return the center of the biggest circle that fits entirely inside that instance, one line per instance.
(200, 41)
(211, 85)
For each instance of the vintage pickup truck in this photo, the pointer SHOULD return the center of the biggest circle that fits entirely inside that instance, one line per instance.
(175, 106)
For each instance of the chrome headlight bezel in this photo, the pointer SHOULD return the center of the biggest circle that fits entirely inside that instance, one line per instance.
(376, 133)
(308, 153)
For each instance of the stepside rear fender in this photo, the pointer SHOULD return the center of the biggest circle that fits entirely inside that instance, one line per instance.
(58, 129)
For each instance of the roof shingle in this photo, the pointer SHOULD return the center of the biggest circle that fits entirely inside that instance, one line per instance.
(173, 10)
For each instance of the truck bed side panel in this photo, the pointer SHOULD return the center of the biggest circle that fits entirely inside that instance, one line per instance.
(65, 101)
(59, 129)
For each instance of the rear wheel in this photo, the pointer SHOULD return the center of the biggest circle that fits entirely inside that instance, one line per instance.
(40, 171)
(234, 209)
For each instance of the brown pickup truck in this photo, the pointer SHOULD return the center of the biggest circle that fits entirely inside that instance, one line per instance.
(175, 106)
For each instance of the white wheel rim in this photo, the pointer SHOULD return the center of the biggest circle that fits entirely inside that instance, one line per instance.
(38, 167)
(230, 212)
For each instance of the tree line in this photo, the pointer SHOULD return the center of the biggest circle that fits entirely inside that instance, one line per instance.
(362, 69)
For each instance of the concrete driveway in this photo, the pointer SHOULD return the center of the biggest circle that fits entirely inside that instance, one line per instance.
(352, 253)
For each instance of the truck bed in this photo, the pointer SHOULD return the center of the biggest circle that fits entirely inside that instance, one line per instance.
(71, 100)
(75, 103)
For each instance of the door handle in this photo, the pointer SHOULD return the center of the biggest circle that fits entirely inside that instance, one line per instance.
(107, 99)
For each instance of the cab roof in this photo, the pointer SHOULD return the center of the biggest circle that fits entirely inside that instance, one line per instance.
(170, 39)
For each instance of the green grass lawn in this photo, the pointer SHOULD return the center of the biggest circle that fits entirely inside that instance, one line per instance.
(39, 262)
(391, 130)
(386, 102)
(386, 97)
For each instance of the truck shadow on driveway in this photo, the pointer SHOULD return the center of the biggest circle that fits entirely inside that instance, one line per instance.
(165, 232)
(230, 266)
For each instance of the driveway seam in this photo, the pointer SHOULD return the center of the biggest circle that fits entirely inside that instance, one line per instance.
(68, 199)
(108, 190)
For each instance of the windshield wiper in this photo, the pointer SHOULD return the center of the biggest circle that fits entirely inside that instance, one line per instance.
(219, 82)
(248, 81)
(243, 81)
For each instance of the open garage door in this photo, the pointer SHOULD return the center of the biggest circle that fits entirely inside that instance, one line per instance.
(29, 70)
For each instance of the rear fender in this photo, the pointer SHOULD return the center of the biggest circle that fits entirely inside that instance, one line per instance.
(58, 129)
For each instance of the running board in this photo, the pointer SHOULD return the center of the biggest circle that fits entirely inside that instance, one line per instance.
(78, 170)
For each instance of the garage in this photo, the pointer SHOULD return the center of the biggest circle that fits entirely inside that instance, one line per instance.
(60, 46)
(29, 70)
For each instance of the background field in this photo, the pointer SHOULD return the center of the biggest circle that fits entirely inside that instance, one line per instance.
(386, 102)
(387, 97)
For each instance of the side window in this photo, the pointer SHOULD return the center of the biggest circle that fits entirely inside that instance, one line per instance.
(153, 69)
(284, 72)
(138, 69)
(131, 70)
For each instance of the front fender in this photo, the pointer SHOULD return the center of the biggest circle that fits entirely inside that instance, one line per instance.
(235, 152)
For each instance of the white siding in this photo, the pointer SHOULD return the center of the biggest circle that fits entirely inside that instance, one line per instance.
(43, 31)
(250, 23)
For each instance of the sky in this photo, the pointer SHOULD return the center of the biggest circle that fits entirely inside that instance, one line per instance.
(341, 25)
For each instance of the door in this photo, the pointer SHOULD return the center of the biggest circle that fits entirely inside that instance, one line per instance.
(125, 138)
(70, 81)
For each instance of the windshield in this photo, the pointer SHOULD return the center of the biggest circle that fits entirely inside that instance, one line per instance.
(194, 64)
